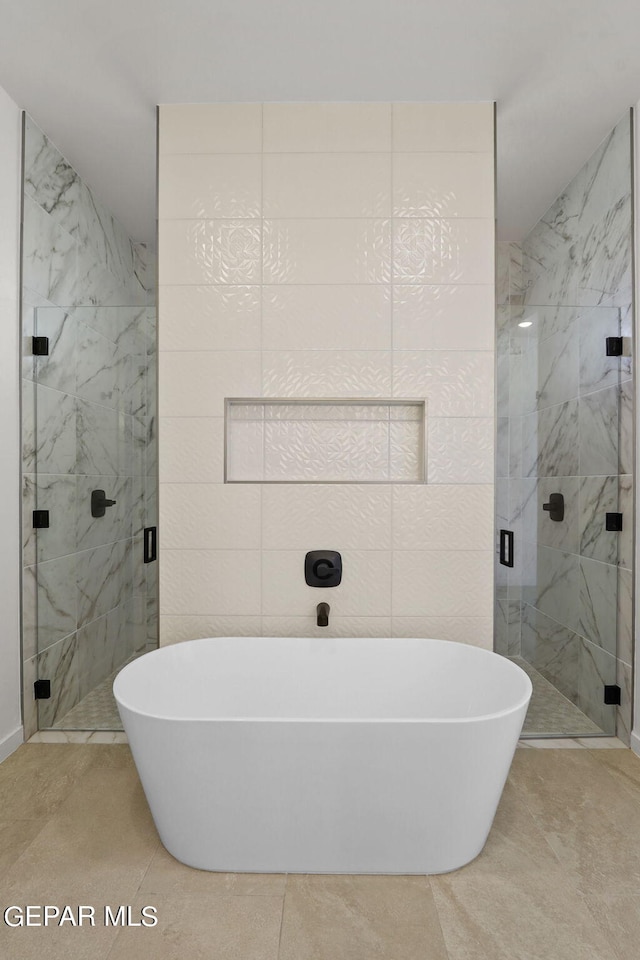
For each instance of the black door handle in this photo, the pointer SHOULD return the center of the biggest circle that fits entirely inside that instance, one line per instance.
(99, 503)
(555, 507)
(506, 548)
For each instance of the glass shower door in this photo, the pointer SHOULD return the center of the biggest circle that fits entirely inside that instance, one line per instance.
(92, 594)
(564, 490)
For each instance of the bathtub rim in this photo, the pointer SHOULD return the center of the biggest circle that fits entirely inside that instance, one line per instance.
(478, 718)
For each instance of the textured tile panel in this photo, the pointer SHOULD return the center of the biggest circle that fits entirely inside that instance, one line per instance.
(327, 185)
(200, 186)
(460, 450)
(443, 185)
(327, 251)
(210, 251)
(444, 583)
(442, 517)
(327, 373)
(443, 317)
(209, 318)
(443, 251)
(326, 317)
(349, 517)
(455, 383)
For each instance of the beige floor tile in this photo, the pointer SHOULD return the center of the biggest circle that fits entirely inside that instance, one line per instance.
(86, 860)
(602, 743)
(38, 777)
(624, 767)
(166, 876)
(591, 823)
(360, 918)
(515, 845)
(109, 787)
(618, 917)
(531, 917)
(53, 943)
(15, 837)
(204, 928)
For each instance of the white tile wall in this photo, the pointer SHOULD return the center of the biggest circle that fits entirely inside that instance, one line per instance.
(326, 317)
(319, 250)
(327, 127)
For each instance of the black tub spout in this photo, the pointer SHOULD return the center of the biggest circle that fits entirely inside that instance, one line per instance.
(322, 611)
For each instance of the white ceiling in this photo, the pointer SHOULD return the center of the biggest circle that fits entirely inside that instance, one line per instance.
(91, 73)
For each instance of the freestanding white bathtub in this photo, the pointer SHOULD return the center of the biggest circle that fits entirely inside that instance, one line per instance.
(323, 755)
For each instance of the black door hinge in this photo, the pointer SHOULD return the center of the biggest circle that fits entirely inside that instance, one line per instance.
(614, 346)
(613, 521)
(612, 694)
(40, 346)
(40, 519)
(42, 690)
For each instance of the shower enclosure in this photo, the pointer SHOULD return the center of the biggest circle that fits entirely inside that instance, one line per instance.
(89, 447)
(564, 491)
(564, 487)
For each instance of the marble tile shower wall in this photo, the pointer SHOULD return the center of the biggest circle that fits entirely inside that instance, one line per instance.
(565, 425)
(89, 601)
(327, 250)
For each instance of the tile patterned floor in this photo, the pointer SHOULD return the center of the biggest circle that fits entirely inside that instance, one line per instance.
(98, 710)
(550, 713)
(75, 828)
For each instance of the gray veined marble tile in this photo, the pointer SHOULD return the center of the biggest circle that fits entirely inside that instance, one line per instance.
(599, 433)
(552, 649)
(625, 507)
(604, 230)
(145, 266)
(501, 624)
(558, 364)
(597, 370)
(99, 376)
(514, 628)
(502, 385)
(596, 668)
(503, 255)
(625, 453)
(104, 440)
(57, 494)
(134, 330)
(59, 664)
(104, 579)
(625, 615)
(598, 496)
(558, 586)
(58, 370)
(624, 711)
(152, 619)
(503, 429)
(553, 321)
(56, 611)
(550, 441)
(599, 603)
(517, 404)
(133, 383)
(49, 256)
(52, 446)
(94, 655)
(117, 521)
(48, 178)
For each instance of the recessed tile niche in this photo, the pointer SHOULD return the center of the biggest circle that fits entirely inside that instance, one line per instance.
(325, 441)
